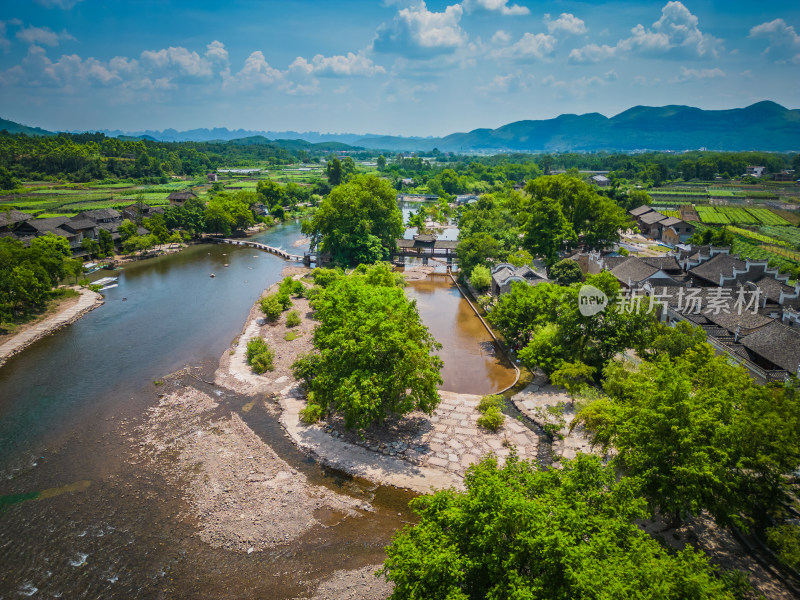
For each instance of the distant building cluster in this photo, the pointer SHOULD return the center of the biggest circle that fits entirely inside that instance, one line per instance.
(748, 311)
(87, 224)
(653, 224)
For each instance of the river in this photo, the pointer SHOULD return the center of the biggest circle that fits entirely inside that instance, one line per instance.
(70, 405)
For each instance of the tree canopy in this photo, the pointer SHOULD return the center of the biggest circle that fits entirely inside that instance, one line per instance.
(546, 322)
(374, 354)
(358, 222)
(698, 433)
(520, 532)
(562, 209)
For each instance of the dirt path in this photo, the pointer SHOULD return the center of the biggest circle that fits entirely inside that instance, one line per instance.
(88, 301)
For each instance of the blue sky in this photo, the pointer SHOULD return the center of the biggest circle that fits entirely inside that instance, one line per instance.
(390, 66)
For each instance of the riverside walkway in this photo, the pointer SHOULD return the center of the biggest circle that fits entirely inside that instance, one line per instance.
(89, 300)
(272, 250)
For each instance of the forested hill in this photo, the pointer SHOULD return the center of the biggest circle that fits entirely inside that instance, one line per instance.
(763, 126)
(12, 127)
(89, 156)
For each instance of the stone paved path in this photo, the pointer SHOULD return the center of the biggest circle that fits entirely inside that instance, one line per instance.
(535, 398)
(88, 301)
(436, 457)
(455, 441)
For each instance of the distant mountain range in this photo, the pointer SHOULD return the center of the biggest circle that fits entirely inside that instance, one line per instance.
(762, 126)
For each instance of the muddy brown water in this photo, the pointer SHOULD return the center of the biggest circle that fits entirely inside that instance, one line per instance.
(473, 364)
(80, 517)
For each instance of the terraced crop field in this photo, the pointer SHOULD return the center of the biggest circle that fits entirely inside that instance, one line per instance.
(723, 215)
(756, 251)
(787, 233)
(70, 199)
(758, 237)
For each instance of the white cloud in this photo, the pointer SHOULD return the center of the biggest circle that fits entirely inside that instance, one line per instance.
(417, 32)
(512, 82)
(675, 33)
(62, 4)
(784, 42)
(216, 51)
(698, 75)
(567, 22)
(68, 72)
(501, 37)
(338, 66)
(591, 53)
(495, 5)
(530, 46)
(186, 62)
(680, 27)
(255, 73)
(42, 35)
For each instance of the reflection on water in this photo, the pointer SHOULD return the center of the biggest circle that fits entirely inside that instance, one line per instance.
(472, 362)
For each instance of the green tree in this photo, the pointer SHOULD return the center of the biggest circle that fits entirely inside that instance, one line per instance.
(478, 249)
(217, 219)
(699, 433)
(334, 172)
(481, 278)
(26, 288)
(524, 533)
(158, 227)
(127, 229)
(7, 179)
(520, 258)
(549, 321)
(359, 221)
(271, 193)
(519, 312)
(51, 252)
(90, 246)
(547, 230)
(106, 242)
(375, 355)
(676, 341)
(573, 376)
(596, 219)
(566, 272)
(381, 162)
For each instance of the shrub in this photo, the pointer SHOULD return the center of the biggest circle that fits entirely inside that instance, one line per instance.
(271, 307)
(259, 355)
(304, 367)
(493, 401)
(491, 419)
(485, 301)
(481, 278)
(291, 286)
(293, 319)
(312, 413)
(284, 300)
(290, 336)
(324, 277)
